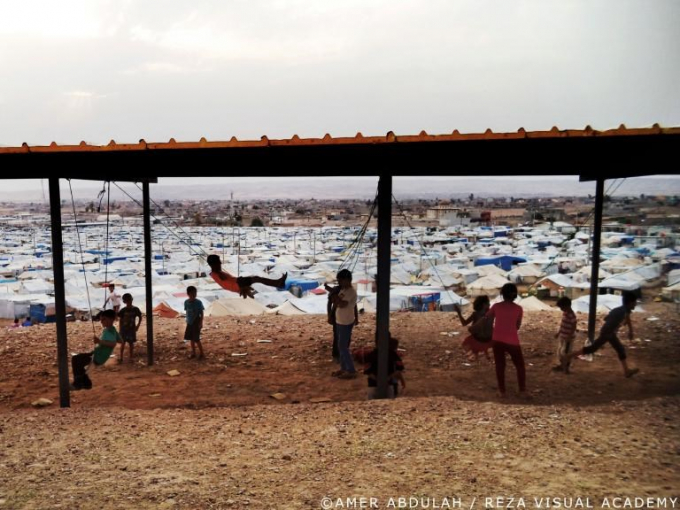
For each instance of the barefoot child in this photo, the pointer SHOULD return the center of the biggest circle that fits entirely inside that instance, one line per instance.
(129, 325)
(194, 316)
(242, 284)
(566, 333)
(612, 323)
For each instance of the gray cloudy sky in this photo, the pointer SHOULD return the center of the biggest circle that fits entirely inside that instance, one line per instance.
(98, 70)
(154, 69)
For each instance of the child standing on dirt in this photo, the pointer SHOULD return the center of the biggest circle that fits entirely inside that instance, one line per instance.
(346, 317)
(104, 346)
(129, 325)
(612, 323)
(507, 317)
(566, 333)
(330, 313)
(194, 316)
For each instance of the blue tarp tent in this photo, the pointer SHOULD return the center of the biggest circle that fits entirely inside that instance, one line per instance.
(505, 262)
(425, 302)
(305, 285)
(38, 314)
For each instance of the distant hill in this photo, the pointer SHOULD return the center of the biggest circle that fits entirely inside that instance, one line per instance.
(351, 187)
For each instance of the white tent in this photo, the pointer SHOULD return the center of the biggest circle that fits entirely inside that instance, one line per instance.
(605, 303)
(311, 304)
(276, 298)
(444, 279)
(533, 304)
(399, 276)
(487, 286)
(620, 282)
(527, 273)
(37, 286)
(287, 308)
(234, 306)
(672, 292)
(674, 277)
(369, 304)
(490, 270)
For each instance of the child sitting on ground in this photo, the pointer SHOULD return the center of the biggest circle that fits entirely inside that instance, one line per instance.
(395, 371)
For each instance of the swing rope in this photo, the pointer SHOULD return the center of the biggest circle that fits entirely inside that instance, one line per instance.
(82, 259)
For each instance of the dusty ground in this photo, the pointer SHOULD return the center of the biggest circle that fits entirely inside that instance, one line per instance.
(213, 437)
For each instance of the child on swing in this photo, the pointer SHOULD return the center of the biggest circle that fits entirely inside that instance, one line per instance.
(104, 345)
(242, 284)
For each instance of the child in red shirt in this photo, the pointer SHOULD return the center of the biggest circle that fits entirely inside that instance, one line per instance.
(507, 317)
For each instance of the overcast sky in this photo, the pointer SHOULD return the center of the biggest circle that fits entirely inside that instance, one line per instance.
(129, 69)
(155, 69)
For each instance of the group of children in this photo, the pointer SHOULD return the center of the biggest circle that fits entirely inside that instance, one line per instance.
(130, 318)
(496, 327)
(492, 327)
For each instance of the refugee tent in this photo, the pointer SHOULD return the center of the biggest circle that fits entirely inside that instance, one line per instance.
(487, 286)
(671, 293)
(488, 270)
(673, 277)
(37, 286)
(505, 262)
(311, 304)
(234, 306)
(449, 299)
(532, 304)
(399, 276)
(163, 310)
(620, 264)
(605, 303)
(14, 306)
(298, 286)
(622, 281)
(444, 279)
(583, 274)
(369, 303)
(467, 275)
(527, 274)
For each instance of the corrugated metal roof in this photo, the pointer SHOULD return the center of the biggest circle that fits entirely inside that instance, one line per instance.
(328, 140)
(588, 153)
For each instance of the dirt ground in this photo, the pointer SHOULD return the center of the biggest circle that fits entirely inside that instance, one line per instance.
(213, 437)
